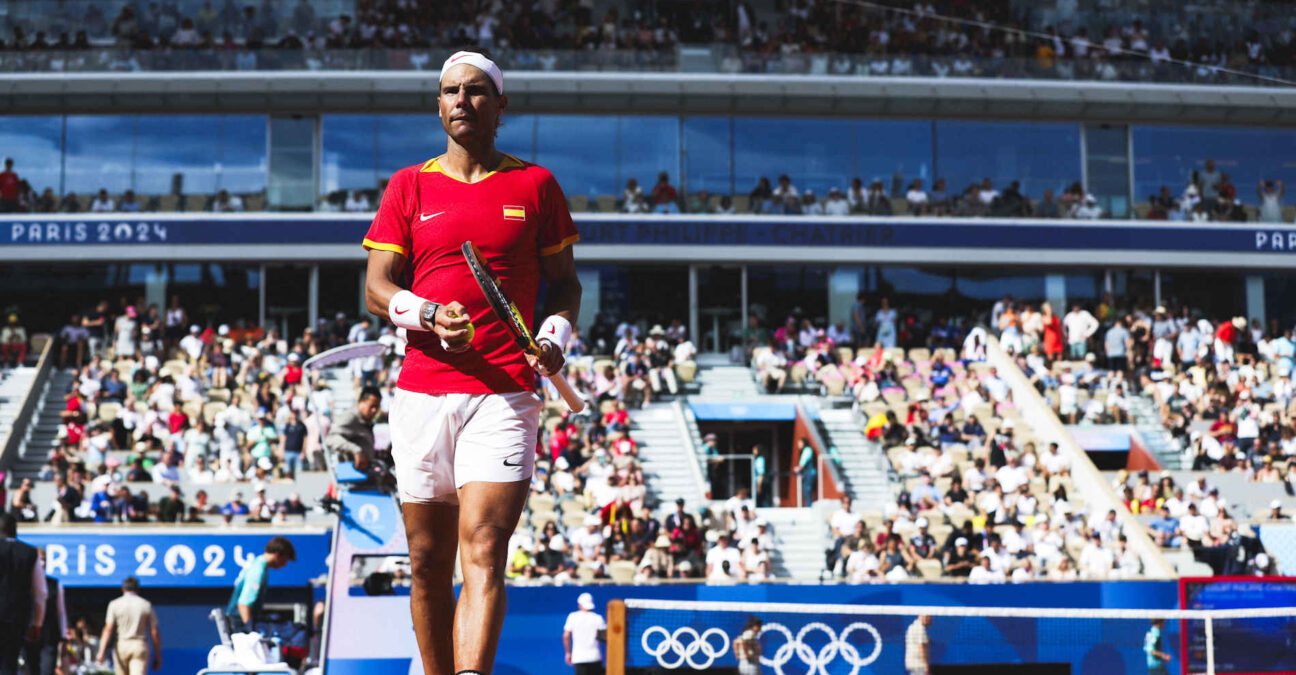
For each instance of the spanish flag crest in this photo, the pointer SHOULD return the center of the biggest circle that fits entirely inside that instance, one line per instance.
(514, 213)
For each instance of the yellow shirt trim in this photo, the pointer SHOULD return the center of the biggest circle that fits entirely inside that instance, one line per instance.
(557, 248)
(434, 166)
(394, 248)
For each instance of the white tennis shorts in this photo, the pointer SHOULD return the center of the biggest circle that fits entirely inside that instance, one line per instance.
(442, 442)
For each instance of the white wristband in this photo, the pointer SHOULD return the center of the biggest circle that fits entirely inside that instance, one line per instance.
(404, 310)
(555, 329)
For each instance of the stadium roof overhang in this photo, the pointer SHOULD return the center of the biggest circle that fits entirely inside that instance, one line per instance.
(663, 93)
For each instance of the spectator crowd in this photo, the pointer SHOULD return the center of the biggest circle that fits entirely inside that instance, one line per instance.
(1223, 42)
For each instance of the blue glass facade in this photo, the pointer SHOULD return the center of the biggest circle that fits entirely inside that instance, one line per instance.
(594, 155)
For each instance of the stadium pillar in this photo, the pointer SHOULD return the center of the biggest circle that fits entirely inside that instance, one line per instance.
(693, 308)
(1156, 287)
(312, 297)
(1255, 298)
(261, 296)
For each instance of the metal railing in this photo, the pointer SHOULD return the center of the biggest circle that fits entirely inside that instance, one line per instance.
(724, 59)
(18, 433)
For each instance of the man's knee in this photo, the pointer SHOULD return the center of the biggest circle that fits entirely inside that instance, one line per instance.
(485, 546)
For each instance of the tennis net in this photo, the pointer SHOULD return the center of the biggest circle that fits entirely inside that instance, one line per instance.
(649, 636)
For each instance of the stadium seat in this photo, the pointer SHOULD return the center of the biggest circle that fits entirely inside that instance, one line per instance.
(108, 411)
(210, 409)
(742, 203)
(218, 395)
(168, 203)
(38, 342)
(573, 518)
(585, 571)
(606, 203)
(930, 569)
(686, 371)
(621, 571)
(919, 354)
(579, 203)
(540, 518)
(541, 502)
(845, 354)
(571, 506)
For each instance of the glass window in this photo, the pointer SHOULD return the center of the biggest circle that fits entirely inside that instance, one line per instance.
(708, 158)
(100, 153)
(1107, 164)
(243, 163)
(808, 150)
(292, 157)
(645, 147)
(349, 157)
(36, 146)
(1041, 156)
(1166, 155)
(576, 149)
(180, 144)
(886, 148)
(405, 140)
(517, 136)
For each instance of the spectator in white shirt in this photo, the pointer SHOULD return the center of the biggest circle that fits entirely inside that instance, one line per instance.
(358, 202)
(1054, 462)
(102, 203)
(1079, 325)
(1088, 209)
(985, 573)
(1095, 560)
(913, 462)
(917, 198)
(227, 203)
(724, 562)
(988, 193)
(1025, 572)
(836, 204)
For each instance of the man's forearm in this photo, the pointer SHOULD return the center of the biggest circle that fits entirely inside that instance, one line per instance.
(564, 298)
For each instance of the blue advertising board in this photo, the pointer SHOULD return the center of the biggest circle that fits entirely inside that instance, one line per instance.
(178, 559)
(1250, 646)
(684, 230)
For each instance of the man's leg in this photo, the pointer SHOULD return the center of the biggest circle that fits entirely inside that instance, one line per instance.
(433, 538)
(11, 643)
(488, 514)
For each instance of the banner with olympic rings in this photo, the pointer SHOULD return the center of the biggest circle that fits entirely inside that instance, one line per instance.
(660, 640)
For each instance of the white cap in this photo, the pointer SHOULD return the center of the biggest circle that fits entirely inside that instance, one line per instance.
(592, 520)
(585, 601)
(961, 541)
(478, 61)
(1262, 560)
(921, 522)
(260, 487)
(1275, 504)
(223, 330)
(194, 328)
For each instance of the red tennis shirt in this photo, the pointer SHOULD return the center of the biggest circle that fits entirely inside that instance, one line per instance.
(515, 215)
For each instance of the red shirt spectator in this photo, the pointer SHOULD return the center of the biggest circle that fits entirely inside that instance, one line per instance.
(9, 186)
(177, 421)
(617, 417)
(292, 374)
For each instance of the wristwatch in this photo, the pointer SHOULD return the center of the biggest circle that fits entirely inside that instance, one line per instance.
(428, 313)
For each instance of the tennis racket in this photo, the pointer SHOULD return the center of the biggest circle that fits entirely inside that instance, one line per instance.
(508, 313)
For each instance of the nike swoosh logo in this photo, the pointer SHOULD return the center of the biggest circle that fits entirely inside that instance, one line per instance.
(506, 463)
(402, 311)
(425, 218)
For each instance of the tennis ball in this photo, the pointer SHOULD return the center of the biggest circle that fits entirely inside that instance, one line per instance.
(465, 338)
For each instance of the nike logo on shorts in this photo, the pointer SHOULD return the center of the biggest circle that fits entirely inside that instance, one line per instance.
(506, 463)
(426, 217)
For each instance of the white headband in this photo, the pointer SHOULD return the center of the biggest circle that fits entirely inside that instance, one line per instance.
(479, 62)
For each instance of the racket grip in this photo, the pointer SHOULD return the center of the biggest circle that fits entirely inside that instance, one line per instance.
(574, 401)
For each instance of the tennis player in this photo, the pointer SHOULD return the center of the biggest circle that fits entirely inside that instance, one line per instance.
(465, 417)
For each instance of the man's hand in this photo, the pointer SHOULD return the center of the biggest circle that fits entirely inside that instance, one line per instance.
(157, 661)
(550, 360)
(33, 633)
(569, 658)
(451, 325)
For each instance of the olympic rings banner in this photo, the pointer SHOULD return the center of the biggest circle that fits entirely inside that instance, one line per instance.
(662, 640)
(180, 559)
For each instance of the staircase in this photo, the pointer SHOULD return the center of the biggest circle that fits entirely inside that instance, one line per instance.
(727, 383)
(13, 389)
(800, 537)
(862, 461)
(1156, 439)
(42, 433)
(668, 464)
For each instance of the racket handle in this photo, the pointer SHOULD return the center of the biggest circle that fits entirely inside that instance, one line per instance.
(574, 401)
